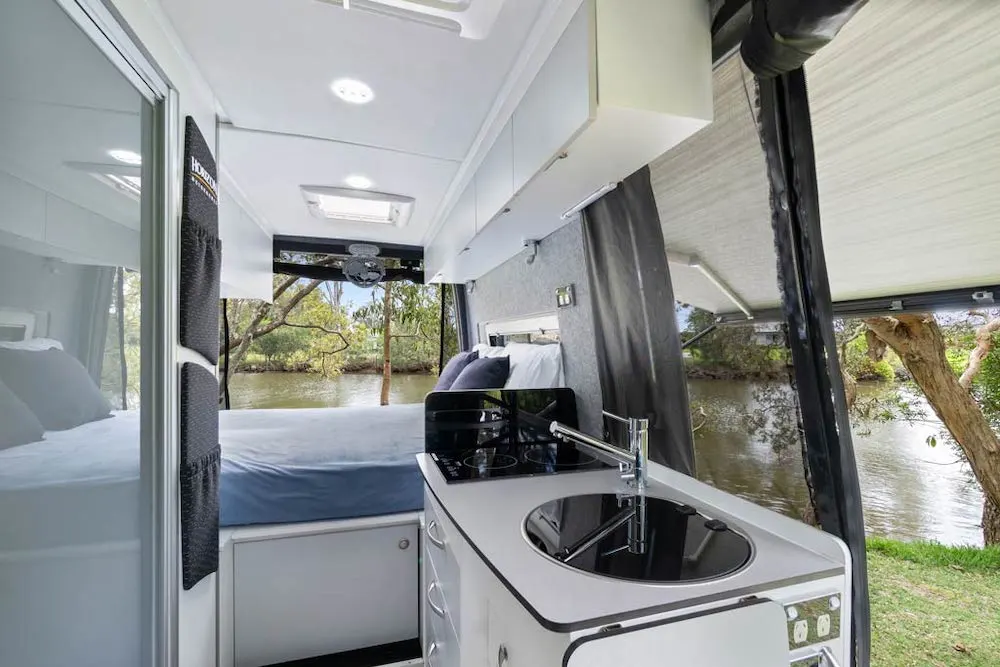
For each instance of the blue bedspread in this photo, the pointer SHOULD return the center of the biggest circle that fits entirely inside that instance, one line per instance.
(283, 466)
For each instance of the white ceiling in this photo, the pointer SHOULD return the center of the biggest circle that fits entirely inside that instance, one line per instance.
(62, 101)
(272, 184)
(270, 64)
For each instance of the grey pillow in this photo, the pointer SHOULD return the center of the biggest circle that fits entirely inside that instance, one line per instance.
(55, 386)
(18, 424)
(453, 368)
(488, 373)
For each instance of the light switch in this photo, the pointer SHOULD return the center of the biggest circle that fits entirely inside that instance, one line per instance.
(565, 297)
(823, 625)
(801, 632)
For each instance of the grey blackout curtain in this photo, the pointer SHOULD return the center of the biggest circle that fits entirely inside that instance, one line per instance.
(639, 356)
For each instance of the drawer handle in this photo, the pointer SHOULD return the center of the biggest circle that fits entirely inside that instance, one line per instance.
(439, 610)
(431, 651)
(435, 540)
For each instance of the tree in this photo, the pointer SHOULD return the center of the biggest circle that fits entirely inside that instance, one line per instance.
(250, 320)
(402, 313)
(920, 344)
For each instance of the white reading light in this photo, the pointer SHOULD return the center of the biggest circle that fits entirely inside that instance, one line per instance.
(353, 91)
(128, 157)
(358, 182)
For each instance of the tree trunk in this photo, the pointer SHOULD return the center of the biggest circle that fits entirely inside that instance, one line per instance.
(386, 342)
(918, 341)
(991, 522)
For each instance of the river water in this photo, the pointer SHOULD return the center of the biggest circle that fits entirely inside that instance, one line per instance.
(910, 490)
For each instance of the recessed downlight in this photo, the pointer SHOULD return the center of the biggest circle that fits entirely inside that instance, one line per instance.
(128, 157)
(353, 91)
(358, 182)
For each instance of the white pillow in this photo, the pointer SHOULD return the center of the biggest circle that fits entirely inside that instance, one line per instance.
(534, 366)
(32, 344)
(486, 351)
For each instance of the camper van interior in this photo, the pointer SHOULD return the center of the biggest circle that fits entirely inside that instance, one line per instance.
(567, 180)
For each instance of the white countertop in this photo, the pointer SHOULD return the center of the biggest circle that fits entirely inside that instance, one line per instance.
(491, 514)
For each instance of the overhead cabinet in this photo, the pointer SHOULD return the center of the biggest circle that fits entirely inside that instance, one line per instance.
(627, 81)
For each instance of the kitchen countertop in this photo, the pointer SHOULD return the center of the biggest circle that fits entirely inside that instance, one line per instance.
(490, 515)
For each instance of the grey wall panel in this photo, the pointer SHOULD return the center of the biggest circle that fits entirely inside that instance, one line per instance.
(516, 288)
(30, 282)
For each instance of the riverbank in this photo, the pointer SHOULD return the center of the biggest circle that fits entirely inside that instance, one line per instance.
(934, 605)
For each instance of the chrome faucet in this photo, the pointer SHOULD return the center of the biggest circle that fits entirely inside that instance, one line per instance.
(633, 463)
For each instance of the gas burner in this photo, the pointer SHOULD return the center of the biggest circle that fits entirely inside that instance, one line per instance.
(485, 459)
(558, 457)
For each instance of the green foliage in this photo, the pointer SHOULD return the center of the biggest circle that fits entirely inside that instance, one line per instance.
(740, 349)
(958, 359)
(971, 559)
(111, 374)
(987, 384)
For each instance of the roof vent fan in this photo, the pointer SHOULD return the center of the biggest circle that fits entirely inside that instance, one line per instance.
(364, 268)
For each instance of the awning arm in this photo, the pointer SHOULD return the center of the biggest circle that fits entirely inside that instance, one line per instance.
(695, 262)
(919, 302)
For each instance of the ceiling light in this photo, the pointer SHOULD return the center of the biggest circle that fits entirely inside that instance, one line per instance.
(353, 91)
(357, 205)
(128, 157)
(358, 182)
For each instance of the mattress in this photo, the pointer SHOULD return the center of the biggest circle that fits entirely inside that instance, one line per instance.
(284, 466)
(81, 487)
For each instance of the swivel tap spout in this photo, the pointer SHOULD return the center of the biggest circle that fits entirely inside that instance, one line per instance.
(632, 463)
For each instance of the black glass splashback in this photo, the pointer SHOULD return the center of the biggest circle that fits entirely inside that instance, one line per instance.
(636, 538)
(465, 420)
(482, 435)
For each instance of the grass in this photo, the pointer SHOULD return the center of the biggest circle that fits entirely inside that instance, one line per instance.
(934, 605)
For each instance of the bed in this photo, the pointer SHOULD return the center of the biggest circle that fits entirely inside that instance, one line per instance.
(279, 466)
(70, 515)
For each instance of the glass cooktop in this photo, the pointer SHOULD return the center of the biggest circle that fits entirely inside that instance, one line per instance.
(637, 538)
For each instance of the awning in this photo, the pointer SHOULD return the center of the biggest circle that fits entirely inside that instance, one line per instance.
(907, 145)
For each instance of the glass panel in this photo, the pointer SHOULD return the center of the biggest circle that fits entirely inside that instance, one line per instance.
(322, 343)
(70, 225)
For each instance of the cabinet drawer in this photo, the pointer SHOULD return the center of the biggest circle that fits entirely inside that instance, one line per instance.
(441, 647)
(443, 593)
(443, 575)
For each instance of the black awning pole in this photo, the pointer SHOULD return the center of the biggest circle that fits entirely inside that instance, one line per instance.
(441, 330)
(225, 372)
(120, 307)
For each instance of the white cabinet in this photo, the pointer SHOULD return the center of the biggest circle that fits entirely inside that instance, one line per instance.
(560, 102)
(23, 208)
(627, 81)
(311, 595)
(454, 235)
(495, 178)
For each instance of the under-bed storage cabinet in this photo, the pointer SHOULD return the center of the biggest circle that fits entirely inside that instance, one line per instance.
(310, 595)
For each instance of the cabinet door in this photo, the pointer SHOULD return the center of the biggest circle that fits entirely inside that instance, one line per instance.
(495, 178)
(560, 101)
(456, 232)
(300, 597)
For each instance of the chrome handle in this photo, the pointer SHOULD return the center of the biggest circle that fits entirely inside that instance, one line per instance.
(430, 603)
(436, 541)
(431, 650)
